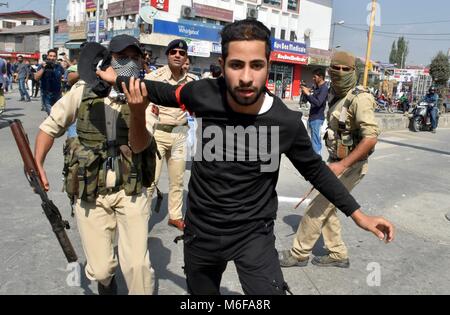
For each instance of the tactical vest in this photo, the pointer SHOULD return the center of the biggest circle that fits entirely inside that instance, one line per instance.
(342, 140)
(88, 157)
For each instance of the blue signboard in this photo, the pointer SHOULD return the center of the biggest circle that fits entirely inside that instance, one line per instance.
(186, 30)
(287, 46)
(93, 24)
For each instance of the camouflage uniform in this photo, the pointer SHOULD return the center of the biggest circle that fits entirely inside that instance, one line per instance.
(102, 206)
(321, 215)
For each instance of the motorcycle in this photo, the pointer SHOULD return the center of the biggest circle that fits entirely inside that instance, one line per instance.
(383, 105)
(421, 119)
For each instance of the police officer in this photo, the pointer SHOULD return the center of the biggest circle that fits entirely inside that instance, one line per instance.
(106, 169)
(351, 137)
(171, 131)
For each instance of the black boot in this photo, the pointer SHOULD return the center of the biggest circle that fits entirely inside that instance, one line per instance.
(111, 289)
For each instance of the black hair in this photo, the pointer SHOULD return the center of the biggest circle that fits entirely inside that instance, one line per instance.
(52, 51)
(249, 29)
(216, 71)
(319, 72)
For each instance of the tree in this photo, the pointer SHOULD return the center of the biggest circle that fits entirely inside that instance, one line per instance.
(399, 52)
(393, 54)
(440, 69)
(359, 70)
(402, 51)
(440, 72)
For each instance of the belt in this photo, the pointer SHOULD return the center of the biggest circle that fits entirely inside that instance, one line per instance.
(168, 128)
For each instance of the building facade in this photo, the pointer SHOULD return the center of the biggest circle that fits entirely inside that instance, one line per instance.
(300, 30)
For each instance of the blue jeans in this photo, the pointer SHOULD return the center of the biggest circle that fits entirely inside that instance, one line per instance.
(434, 115)
(23, 89)
(48, 100)
(72, 130)
(316, 140)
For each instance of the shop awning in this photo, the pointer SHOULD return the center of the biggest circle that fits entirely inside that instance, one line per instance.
(73, 44)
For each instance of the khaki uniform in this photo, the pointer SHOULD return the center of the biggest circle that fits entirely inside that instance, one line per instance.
(321, 215)
(98, 221)
(170, 136)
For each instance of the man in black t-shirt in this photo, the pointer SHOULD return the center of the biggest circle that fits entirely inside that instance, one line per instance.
(243, 130)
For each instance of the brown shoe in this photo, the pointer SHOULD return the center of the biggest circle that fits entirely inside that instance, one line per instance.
(178, 223)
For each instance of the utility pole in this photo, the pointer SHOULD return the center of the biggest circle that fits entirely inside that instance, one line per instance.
(52, 24)
(97, 22)
(369, 42)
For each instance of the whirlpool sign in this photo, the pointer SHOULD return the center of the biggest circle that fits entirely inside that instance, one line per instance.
(187, 30)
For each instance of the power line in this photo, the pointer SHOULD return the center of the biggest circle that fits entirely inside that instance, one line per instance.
(397, 33)
(395, 37)
(406, 23)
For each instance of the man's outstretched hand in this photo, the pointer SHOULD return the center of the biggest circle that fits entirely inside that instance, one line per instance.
(379, 226)
(109, 75)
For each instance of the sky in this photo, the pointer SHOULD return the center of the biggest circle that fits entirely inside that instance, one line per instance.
(410, 16)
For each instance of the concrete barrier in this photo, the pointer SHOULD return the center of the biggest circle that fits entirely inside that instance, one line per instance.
(399, 122)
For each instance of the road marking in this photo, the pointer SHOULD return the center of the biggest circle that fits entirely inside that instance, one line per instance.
(294, 200)
(384, 156)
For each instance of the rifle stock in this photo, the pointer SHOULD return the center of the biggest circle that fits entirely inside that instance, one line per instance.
(31, 172)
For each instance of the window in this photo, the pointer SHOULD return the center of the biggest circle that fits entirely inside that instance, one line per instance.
(8, 24)
(293, 36)
(283, 34)
(272, 32)
(274, 3)
(293, 5)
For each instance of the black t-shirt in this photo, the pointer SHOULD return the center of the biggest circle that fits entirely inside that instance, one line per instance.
(229, 189)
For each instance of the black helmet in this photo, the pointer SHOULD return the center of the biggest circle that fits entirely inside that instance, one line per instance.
(432, 89)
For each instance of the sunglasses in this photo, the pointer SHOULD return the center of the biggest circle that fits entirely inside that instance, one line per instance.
(342, 68)
(173, 52)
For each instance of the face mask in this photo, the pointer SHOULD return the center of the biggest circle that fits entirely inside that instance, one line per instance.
(342, 82)
(124, 67)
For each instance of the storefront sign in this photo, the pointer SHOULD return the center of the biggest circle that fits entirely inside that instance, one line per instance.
(25, 55)
(162, 5)
(186, 30)
(216, 48)
(77, 31)
(61, 38)
(131, 7)
(213, 12)
(91, 5)
(287, 46)
(93, 24)
(199, 48)
(132, 32)
(319, 57)
(115, 8)
(289, 57)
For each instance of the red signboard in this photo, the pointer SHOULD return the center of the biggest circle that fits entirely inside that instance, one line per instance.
(213, 12)
(13, 55)
(288, 57)
(162, 5)
(90, 5)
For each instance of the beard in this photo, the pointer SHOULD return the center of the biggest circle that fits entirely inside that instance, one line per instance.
(235, 93)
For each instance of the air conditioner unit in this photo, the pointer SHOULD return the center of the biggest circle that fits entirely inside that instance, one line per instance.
(252, 13)
(187, 12)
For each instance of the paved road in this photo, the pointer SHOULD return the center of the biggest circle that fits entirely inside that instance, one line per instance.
(408, 182)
